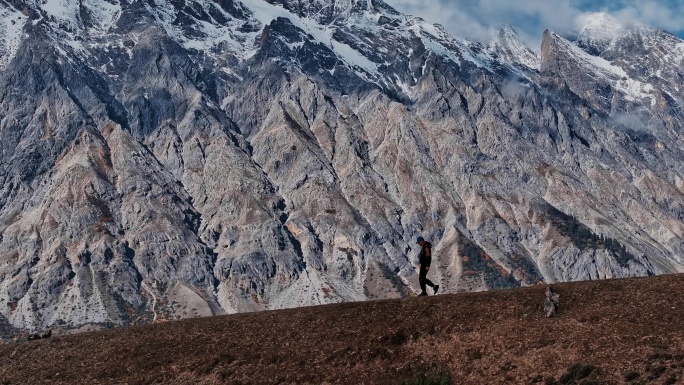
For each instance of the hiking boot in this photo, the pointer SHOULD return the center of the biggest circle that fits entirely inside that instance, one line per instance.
(435, 288)
(422, 294)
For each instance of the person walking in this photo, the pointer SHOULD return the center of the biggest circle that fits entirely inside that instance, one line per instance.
(425, 259)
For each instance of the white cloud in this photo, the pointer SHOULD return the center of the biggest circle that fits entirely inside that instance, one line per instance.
(663, 14)
(473, 19)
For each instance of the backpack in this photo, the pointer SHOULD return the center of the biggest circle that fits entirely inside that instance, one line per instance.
(425, 256)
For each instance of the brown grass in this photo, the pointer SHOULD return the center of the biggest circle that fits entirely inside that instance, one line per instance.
(606, 332)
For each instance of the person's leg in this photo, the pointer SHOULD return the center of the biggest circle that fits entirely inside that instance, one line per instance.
(426, 281)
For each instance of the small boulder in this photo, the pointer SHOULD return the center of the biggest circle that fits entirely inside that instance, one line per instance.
(549, 308)
(554, 297)
(38, 336)
(551, 303)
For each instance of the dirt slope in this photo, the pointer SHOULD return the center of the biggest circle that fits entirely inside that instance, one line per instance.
(605, 332)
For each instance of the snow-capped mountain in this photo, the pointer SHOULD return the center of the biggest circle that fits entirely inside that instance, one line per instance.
(639, 55)
(508, 46)
(167, 159)
(598, 30)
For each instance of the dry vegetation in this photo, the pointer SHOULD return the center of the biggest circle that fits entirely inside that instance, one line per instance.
(610, 332)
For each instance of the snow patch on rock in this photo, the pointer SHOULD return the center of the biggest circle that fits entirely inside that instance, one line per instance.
(265, 13)
(104, 13)
(616, 76)
(12, 23)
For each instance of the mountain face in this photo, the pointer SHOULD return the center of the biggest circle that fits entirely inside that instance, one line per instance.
(169, 159)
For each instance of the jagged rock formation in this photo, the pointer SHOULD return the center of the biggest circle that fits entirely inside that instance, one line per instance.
(168, 159)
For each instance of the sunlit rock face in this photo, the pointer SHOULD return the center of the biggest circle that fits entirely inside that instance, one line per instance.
(172, 159)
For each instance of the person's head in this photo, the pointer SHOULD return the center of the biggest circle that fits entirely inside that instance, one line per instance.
(420, 241)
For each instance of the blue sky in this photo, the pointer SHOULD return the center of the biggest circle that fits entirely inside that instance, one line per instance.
(473, 18)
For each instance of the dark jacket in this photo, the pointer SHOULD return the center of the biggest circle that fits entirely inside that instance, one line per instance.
(425, 256)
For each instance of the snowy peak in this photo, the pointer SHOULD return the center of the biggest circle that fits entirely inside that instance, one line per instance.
(601, 32)
(597, 31)
(638, 61)
(561, 56)
(508, 46)
(362, 39)
(368, 37)
(599, 27)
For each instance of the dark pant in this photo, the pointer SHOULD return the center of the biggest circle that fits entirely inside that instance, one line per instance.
(422, 278)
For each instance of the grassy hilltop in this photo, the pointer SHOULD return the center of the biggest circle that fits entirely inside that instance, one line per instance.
(607, 332)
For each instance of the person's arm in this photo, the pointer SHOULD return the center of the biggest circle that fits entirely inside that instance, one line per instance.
(428, 257)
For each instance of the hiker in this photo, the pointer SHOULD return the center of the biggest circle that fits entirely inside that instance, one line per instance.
(425, 259)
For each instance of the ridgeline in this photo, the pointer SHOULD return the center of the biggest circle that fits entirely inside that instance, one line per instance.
(606, 332)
